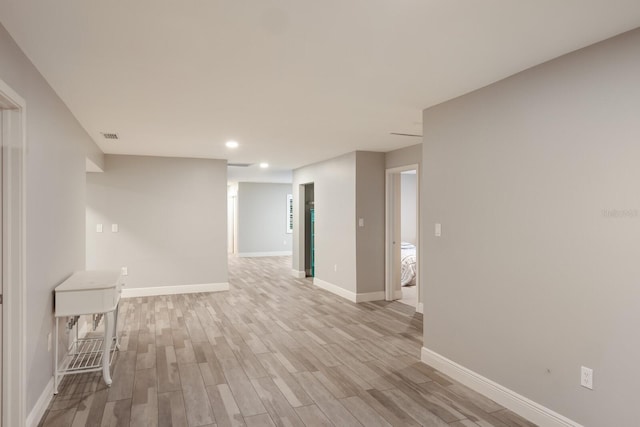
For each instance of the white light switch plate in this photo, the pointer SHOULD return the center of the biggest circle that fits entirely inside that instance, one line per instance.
(114, 228)
(360, 222)
(438, 230)
(125, 271)
(98, 228)
(586, 377)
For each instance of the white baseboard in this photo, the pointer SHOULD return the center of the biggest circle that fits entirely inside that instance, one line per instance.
(511, 400)
(344, 293)
(34, 417)
(370, 296)
(298, 274)
(172, 290)
(262, 254)
(420, 308)
(335, 289)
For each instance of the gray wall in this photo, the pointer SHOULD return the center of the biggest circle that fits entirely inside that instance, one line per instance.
(55, 164)
(172, 220)
(536, 182)
(335, 208)
(370, 204)
(411, 155)
(262, 218)
(346, 188)
(408, 210)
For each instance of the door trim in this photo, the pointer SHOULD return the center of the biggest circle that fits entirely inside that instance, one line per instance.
(14, 146)
(390, 218)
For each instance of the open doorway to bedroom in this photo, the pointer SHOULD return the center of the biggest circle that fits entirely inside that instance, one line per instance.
(408, 237)
(402, 236)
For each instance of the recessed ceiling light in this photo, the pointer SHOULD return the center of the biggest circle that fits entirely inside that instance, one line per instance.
(264, 165)
(231, 144)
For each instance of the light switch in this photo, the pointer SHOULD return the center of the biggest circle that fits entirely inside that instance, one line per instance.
(360, 222)
(438, 230)
(114, 228)
(98, 228)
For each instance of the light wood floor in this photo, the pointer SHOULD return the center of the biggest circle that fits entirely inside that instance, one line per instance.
(274, 350)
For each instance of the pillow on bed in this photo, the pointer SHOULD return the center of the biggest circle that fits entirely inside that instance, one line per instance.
(407, 245)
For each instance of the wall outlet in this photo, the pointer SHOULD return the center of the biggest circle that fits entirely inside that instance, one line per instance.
(437, 230)
(98, 228)
(49, 342)
(114, 228)
(586, 377)
(335, 267)
(125, 271)
(360, 222)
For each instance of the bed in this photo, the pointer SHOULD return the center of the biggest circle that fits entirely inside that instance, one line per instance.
(408, 264)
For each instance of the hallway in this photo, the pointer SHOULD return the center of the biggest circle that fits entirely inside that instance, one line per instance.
(274, 350)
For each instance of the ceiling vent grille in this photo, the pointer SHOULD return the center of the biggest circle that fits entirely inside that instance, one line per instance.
(406, 134)
(108, 135)
(240, 165)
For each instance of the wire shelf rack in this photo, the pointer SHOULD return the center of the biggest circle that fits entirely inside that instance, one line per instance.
(86, 355)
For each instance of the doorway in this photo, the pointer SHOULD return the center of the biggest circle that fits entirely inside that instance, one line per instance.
(12, 259)
(309, 231)
(402, 245)
(232, 215)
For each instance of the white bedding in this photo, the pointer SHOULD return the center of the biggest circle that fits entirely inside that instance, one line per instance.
(408, 263)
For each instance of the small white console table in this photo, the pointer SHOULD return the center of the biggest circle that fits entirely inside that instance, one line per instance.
(85, 293)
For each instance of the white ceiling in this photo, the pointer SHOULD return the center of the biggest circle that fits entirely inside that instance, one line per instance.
(294, 81)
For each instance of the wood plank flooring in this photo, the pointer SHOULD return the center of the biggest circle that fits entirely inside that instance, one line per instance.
(273, 351)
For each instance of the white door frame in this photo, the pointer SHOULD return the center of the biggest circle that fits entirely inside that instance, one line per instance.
(392, 239)
(13, 114)
(232, 218)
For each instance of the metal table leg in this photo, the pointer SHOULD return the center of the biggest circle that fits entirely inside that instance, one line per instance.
(55, 366)
(106, 351)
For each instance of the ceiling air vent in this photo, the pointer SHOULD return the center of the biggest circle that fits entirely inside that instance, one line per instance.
(240, 165)
(108, 135)
(406, 134)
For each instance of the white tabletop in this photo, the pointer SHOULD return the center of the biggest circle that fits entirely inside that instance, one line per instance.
(90, 280)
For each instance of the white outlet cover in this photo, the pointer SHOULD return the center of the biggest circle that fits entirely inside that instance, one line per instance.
(438, 230)
(586, 377)
(125, 271)
(114, 228)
